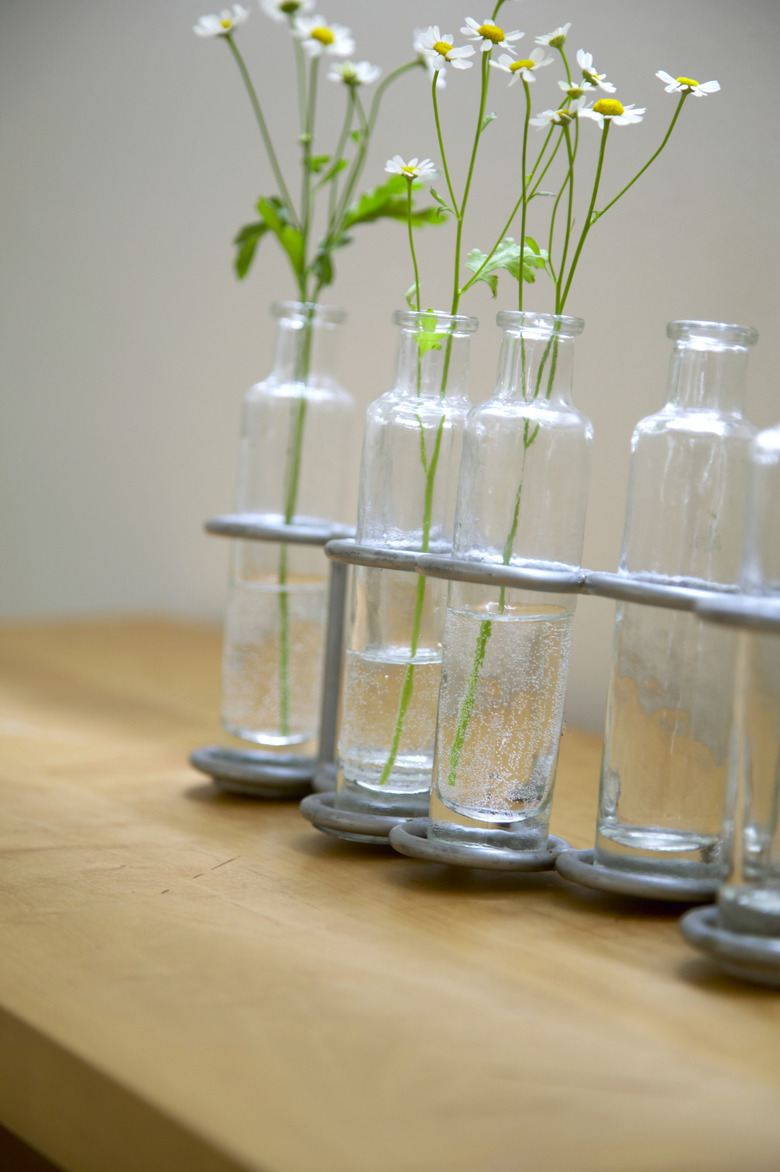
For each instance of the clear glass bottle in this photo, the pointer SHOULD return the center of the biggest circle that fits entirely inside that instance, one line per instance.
(411, 453)
(522, 495)
(294, 458)
(749, 901)
(669, 709)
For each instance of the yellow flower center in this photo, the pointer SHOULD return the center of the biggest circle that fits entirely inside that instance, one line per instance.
(323, 35)
(609, 107)
(687, 81)
(491, 32)
(564, 116)
(526, 64)
(409, 170)
(442, 47)
(226, 23)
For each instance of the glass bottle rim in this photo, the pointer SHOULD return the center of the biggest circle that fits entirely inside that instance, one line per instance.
(714, 333)
(542, 323)
(454, 323)
(311, 311)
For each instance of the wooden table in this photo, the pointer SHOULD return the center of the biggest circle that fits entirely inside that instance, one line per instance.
(199, 983)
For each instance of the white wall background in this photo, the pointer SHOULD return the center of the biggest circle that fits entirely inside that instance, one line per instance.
(129, 159)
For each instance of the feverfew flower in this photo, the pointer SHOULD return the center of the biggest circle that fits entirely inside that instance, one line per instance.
(557, 38)
(574, 91)
(585, 62)
(523, 69)
(222, 25)
(558, 117)
(680, 85)
(414, 169)
(489, 35)
(318, 37)
(361, 73)
(614, 110)
(284, 9)
(436, 49)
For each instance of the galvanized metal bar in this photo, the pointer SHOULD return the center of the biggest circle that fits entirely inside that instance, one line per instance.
(267, 527)
(377, 557)
(494, 574)
(639, 588)
(752, 612)
(334, 642)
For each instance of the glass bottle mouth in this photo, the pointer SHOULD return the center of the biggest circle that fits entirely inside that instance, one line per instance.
(434, 319)
(706, 334)
(309, 311)
(520, 321)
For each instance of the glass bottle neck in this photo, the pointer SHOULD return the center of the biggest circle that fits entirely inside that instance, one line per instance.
(535, 366)
(706, 376)
(433, 355)
(306, 343)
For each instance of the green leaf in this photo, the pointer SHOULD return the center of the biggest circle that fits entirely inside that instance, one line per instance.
(428, 337)
(291, 240)
(442, 203)
(315, 163)
(411, 296)
(356, 135)
(487, 120)
(508, 257)
(332, 171)
(323, 268)
(389, 201)
(246, 242)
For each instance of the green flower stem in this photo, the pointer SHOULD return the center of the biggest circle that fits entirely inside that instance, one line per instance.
(339, 151)
(462, 210)
(411, 243)
(306, 185)
(253, 98)
(379, 92)
(652, 158)
(569, 211)
(407, 687)
(292, 476)
(524, 190)
(589, 221)
(300, 72)
(466, 709)
(442, 152)
(334, 227)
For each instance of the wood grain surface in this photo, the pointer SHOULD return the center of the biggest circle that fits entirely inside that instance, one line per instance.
(194, 982)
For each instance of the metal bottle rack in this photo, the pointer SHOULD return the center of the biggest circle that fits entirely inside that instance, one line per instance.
(408, 836)
(259, 773)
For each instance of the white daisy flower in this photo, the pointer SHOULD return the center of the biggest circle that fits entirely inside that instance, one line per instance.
(414, 169)
(585, 62)
(558, 117)
(318, 37)
(614, 110)
(679, 85)
(284, 9)
(361, 73)
(557, 38)
(489, 35)
(523, 69)
(436, 49)
(574, 91)
(222, 25)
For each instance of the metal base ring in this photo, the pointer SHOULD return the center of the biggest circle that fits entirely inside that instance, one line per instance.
(352, 825)
(753, 958)
(410, 838)
(255, 774)
(579, 867)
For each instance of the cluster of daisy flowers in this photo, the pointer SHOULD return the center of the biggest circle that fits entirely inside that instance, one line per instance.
(318, 36)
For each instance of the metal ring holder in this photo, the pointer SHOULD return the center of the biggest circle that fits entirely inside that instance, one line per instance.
(371, 823)
(753, 958)
(258, 773)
